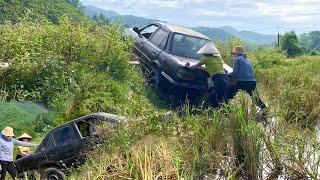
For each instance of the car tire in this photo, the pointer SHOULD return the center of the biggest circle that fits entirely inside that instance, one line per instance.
(155, 79)
(52, 174)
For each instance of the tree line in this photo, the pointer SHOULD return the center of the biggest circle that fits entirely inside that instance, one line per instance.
(306, 43)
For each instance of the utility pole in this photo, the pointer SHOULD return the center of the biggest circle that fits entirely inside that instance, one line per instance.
(278, 37)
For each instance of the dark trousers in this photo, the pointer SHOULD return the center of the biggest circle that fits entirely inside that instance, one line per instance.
(220, 90)
(18, 156)
(251, 88)
(8, 166)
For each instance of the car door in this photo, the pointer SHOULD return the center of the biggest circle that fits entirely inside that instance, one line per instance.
(143, 36)
(89, 136)
(66, 145)
(155, 45)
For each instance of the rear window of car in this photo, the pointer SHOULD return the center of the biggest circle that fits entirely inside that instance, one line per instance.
(187, 46)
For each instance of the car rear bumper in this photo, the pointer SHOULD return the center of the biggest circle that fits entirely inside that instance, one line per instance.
(192, 87)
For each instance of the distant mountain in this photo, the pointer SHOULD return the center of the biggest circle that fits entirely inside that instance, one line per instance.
(226, 32)
(221, 33)
(257, 37)
(92, 10)
(135, 21)
(214, 33)
(229, 29)
(128, 20)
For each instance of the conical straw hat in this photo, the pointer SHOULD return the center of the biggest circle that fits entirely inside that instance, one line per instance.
(25, 136)
(209, 48)
(7, 131)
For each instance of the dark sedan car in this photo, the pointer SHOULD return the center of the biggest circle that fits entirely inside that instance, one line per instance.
(65, 146)
(164, 49)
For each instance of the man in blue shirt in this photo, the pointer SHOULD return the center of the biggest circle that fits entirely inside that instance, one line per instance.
(244, 76)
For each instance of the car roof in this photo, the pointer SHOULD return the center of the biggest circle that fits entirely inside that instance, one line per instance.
(181, 30)
(98, 116)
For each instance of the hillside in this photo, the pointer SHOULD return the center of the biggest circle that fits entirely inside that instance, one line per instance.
(225, 32)
(14, 9)
(227, 143)
(77, 68)
(128, 20)
(92, 10)
(215, 33)
(22, 116)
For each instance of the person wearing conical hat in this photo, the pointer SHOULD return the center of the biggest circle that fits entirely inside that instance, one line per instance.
(7, 143)
(244, 76)
(214, 66)
(24, 151)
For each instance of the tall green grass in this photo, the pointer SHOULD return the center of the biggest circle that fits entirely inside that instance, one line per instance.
(294, 88)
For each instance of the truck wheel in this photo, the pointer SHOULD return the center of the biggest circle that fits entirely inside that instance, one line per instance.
(53, 174)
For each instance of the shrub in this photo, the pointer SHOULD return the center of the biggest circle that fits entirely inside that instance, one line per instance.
(47, 60)
(268, 57)
(289, 43)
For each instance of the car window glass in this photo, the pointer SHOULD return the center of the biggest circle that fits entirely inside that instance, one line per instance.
(64, 136)
(159, 37)
(163, 43)
(187, 46)
(86, 129)
(147, 32)
(48, 143)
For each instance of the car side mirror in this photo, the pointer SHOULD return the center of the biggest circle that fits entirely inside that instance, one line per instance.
(135, 29)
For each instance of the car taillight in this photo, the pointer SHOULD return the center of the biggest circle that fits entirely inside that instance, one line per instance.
(185, 74)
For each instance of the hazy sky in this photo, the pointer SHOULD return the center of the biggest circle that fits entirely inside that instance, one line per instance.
(255, 15)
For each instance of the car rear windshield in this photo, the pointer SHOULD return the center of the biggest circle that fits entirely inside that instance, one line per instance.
(187, 46)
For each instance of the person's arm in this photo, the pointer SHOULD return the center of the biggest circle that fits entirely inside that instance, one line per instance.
(21, 143)
(22, 152)
(0, 143)
(196, 65)
(199, 64)
(235, 68)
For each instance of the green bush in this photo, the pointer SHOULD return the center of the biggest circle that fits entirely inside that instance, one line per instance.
(15, 10)
(289, 43)
(47, 60)
(268, 57)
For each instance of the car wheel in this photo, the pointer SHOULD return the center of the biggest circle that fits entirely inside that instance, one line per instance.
(155, 79)
(53, 174)
(31, 176)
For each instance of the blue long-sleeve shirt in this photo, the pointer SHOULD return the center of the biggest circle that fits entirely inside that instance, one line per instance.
(242, 69)
(6, 147)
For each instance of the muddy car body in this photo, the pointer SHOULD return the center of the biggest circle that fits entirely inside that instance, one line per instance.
(65, 146)
(164, 49)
